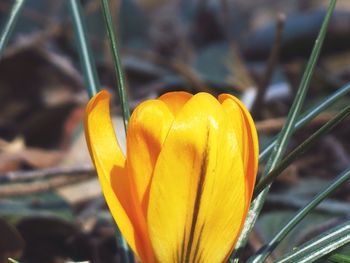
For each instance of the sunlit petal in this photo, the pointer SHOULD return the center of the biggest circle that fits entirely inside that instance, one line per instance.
(198, 194)
(175, 100)
(246, 133)
(148, 127)
(107, 156)
(117, 188)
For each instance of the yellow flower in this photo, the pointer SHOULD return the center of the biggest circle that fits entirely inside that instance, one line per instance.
(182, 192)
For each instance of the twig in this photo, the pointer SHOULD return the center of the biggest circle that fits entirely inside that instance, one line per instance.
(9, 190)
(271, 64)
(28, 175)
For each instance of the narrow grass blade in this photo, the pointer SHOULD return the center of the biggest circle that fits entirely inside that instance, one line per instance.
(117, 62)
(12, 260)
(285, 134)
(10, 24)
(266, 250)
(128, 256)
(92, 81)
(339, 258)
(308, 116)
(86, 58)
(320, 246)
(264, 182)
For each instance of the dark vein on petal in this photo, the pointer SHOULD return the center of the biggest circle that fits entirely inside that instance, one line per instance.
(183, 246)
(200, 257)
(196, 250)
(197, 201)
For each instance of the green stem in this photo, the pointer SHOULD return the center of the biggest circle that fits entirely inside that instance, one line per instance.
(266, 250)
(10, 24)
(117, 62)
(86, 58)
(285, 134)
(268, 179)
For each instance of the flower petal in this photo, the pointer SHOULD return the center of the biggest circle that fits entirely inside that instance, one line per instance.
(148, 127)
(198, 195)
(107, 156)
(175, 100)
(246, 133)
(117, 188)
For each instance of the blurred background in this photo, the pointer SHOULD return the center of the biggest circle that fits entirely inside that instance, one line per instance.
(51, 208)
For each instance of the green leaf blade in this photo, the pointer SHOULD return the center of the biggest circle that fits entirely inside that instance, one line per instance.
(319, 246)
(86, 58)
(117, 62)
(301, 214)
(327, 127)
(308, 116)
(339, 258)
(284, 136)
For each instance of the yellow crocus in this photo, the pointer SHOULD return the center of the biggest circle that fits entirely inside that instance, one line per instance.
(182, 191)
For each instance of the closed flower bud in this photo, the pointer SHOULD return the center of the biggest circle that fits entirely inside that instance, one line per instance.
(182, 192)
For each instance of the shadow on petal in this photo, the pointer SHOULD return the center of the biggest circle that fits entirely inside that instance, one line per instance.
(125, 193)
